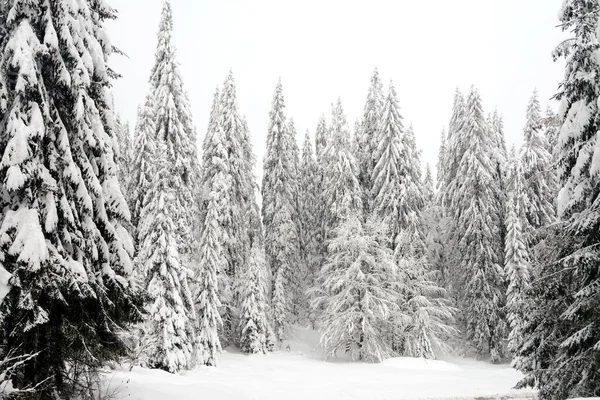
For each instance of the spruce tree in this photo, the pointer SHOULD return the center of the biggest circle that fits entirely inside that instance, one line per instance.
(342, 194)
(62, 211)
(173, 125)
(171, 312)
(456, 147)
(367, 140)
(428, 186)
(397, 197)
(441, 163)
(212, 282)
(308, 205)
(561, 352)
(280, 211)
(142, 160)
(538, 174)
(124, 154)
(240, 205)
(355, 300)
(321, 138)
(476, 233)
(517, 265)
(254, 325)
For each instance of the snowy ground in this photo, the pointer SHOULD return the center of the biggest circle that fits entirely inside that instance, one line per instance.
(302, 374)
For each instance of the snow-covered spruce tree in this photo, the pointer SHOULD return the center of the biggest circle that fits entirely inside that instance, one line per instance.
(171, 314)
(309, 218)
(173, 125)
(354, 298)
(455, 145)
(321, 138)
(561, 350)
(124, 154)
(215, 187)
(441, 163)
(342, 194)
(367, 140)
(254, 325)
(428, 186)
(551, 125)
(516, 260)
(240, 206)
(538, 175)
(280, 217)
(424, 322)
(499, 157)
(142, 159)
(211, 280)
(62, 211)
(437, 222)
(476, 234)
(396, 194)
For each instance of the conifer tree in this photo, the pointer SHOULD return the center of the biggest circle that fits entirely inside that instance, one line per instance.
(456, 147)
(367, 140)
(425, 316)
(62, 211)
(537, 173)
(173, 125)
(517, 266)
(142, 159)
(171, 312)
(354, 298)
(342, 194)
(308, 205)
(551, 123)
(212, 281)
(476, 233)
(396, 195)
(560, 355)
(253, 319)
(239, 223)
(280, 206)
(124, 154)
(428, 186)
(441, 163)
(321, 138)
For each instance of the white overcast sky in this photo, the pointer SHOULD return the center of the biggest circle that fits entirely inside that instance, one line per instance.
(325, 49)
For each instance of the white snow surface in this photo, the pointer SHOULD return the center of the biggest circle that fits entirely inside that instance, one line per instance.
(302, 373)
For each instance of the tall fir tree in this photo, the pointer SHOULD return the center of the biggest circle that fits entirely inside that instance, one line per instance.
(367, 139)
(517, 264)
(174, 126)
(254, 325)
(428, 186)
(538, 175)
(124, 154)
(441, 162)
(171, 313)
(456, 147)
(561, 352)
(342, 193)
(397, 196)
(476, 233)
(321, 137)
(240, 205)
(62, 215)
(211, 278)
(207, 275)
(280, 207)
(354, 298)
(309, 218)
(142, 160)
